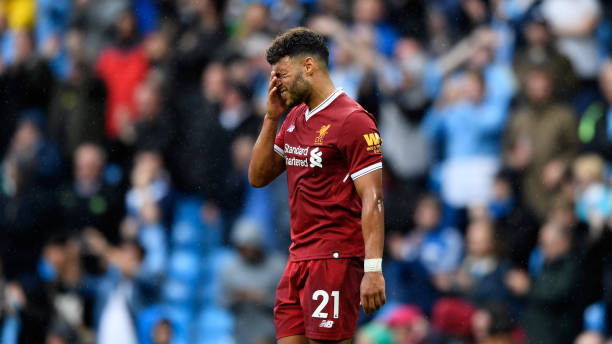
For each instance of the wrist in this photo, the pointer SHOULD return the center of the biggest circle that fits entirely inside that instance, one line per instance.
(271, 118)
(372, 265)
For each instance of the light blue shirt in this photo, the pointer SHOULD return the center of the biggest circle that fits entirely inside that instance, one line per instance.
(467, 129)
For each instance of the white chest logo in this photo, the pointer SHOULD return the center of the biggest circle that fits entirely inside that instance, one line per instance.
(315, 158)
(290, 130)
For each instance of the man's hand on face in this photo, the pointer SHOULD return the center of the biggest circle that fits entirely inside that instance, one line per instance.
(276, 104)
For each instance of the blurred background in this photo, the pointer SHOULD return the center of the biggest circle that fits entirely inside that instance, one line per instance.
(127, 127)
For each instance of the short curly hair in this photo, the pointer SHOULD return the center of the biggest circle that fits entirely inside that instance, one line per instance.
(297, 41)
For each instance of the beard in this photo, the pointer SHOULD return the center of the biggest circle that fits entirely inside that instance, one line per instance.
(298, 91)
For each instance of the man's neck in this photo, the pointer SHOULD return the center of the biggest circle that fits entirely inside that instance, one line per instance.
(319, 94)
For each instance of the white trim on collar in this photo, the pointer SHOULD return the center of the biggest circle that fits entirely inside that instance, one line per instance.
(323, 104)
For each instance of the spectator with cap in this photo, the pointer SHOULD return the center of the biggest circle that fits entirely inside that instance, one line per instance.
(249, 283)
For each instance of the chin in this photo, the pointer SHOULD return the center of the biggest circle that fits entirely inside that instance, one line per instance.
(291, 102)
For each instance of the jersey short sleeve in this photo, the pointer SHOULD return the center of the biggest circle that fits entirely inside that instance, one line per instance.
(279, 141)
(360, 144)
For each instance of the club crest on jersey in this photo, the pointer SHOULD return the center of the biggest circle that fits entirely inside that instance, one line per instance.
(373, 140)
(322, 132)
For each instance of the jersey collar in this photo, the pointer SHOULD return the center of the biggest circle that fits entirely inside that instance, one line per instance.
(309, 113)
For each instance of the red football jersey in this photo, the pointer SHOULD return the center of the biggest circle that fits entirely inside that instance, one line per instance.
(325, 149)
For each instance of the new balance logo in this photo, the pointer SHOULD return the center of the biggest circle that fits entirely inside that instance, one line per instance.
(315, 158)
(326, 323)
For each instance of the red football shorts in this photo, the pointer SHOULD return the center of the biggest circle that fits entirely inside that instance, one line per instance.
(319, 299)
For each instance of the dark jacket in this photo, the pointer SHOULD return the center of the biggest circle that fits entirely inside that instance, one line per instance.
(553, 311)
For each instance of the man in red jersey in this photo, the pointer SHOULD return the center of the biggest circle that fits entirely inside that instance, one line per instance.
(330, 147)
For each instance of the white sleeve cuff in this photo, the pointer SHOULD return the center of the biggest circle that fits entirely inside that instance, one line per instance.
(366, 170)
(279, 151)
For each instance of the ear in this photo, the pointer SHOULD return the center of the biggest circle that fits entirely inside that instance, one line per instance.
(309, 65)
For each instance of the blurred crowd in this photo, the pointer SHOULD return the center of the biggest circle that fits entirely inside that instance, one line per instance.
(127, 127)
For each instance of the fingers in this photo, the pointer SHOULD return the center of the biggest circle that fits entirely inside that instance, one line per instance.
(372, 303)
(274, 81)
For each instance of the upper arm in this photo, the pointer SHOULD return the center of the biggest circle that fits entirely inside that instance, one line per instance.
(360, 144)
(278, 165)
(369, 186)
(361, 147)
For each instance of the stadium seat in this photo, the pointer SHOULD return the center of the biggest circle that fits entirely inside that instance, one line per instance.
(215, 326)
(185, 265)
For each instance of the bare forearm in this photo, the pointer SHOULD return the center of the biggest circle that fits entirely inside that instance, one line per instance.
(262, 168)
(372, 222)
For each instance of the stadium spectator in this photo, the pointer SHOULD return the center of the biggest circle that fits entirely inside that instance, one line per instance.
(201, 42)
(122, 67)
(468, 125)
(27, 80)
(154, 129)
(480, 278)
(540, 141)
(68, 289)
(89, 201)
(122, 291)
(516, 226)
(249, 283)
(28, 211)
(540, 50)
(552, 298)
(76, 111)
(436, 246)
(199, 133)
(149, 184)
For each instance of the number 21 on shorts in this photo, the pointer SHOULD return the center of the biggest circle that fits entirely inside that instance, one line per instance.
(323, 294)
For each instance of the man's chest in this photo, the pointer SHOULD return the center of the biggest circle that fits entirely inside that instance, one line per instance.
(313, 147)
